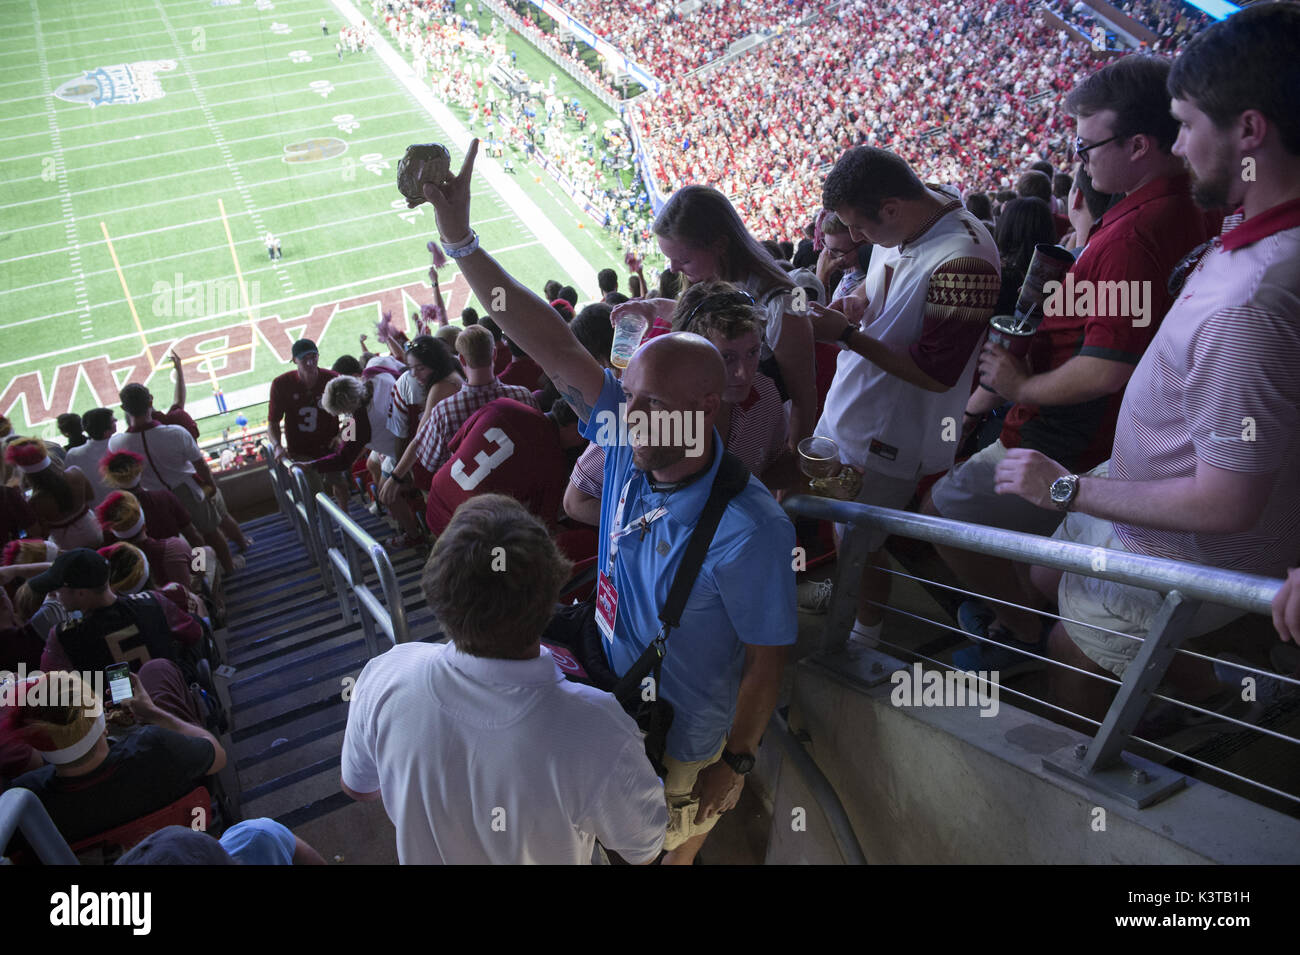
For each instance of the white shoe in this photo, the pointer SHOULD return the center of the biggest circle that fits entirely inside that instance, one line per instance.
(868, 637)
(237, 561)
(815, 595)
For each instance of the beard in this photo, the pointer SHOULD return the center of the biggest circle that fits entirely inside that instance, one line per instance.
(650, 458)
(1213, 188)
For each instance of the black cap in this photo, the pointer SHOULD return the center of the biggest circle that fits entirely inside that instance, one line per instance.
(303, 347)
(81, 568)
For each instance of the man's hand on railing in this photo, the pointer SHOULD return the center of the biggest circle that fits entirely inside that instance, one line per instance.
(1286, 608)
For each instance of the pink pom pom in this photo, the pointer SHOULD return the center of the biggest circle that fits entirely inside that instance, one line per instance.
(439, 260)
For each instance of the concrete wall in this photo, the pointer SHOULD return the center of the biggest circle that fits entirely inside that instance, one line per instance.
(945, 785)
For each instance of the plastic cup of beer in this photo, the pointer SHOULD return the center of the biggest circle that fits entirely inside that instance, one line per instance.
(628, 332)
(819, 458)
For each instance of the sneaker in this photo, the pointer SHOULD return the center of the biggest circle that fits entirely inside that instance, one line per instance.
(815, 595)
(402, 542)
(373, 508)
(1267, 690)
(248, 544)
(975, 617)
(238, 562)
(989, 656)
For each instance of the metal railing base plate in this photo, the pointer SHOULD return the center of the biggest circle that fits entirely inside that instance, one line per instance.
(1135, 782)
(867, 667)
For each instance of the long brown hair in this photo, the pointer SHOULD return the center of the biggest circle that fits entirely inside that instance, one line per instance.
(699, 215)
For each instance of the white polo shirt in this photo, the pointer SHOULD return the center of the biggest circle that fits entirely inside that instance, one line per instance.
(499, 761)
(169, 461)
(86, 458)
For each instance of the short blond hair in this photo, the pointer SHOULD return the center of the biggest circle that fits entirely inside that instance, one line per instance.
(476, 345)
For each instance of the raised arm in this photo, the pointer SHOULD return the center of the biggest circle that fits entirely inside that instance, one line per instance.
(522, 315)
(178, 395)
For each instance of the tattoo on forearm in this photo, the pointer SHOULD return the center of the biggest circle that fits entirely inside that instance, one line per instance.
(574, 397)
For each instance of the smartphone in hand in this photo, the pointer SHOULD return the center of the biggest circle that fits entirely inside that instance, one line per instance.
(118, 677)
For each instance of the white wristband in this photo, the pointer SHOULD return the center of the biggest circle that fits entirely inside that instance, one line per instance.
(458, 250)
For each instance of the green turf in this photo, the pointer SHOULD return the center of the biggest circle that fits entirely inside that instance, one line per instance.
(153, 174)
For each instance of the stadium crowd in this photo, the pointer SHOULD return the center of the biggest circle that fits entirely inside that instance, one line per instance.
(507, 443)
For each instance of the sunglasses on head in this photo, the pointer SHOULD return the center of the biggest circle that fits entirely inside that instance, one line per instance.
(719, 299)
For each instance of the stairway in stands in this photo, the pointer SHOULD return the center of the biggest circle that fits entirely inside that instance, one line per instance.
(292, 650)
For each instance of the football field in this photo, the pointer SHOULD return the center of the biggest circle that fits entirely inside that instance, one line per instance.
(150, 145)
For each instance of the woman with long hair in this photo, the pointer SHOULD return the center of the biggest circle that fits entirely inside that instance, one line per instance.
(705, 240)
(1024, 224)
(60, 499)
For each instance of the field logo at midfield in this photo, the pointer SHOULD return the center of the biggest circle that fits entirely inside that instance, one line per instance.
(115, 85)
(314, 150)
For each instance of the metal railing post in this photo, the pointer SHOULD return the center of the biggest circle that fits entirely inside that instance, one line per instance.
(1098, 765)
(21, 810)
(387, 614)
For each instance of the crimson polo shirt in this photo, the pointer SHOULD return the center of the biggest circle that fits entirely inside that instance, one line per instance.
(1141, 238)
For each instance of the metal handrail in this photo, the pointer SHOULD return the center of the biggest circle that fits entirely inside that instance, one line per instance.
(1249, 592)
(1101, 764)
(388, 614)
(22, 811)
(823, 793)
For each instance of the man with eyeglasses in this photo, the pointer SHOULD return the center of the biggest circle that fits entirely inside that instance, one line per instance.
(1093, 333)
(1206, 460)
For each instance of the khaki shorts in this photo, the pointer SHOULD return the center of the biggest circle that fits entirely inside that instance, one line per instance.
(318, 482)
(879, 491)
(682, 806)
(966, 494)
(203, 510)
(1119, 607)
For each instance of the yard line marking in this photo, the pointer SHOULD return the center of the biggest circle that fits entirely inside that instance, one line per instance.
(186, 129)
(65, 196)
(402, 136)
(183, 225)
(239, 273)
(254, 216)
(127, 292)
(315, 292)
(191, 253)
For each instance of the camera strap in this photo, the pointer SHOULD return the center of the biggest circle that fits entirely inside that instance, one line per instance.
(730, 480)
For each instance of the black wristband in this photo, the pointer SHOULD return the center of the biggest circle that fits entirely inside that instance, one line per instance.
(846, 334)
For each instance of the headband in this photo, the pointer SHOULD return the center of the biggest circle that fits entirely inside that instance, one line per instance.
(40, 465)
(132, 530)
(70, 754)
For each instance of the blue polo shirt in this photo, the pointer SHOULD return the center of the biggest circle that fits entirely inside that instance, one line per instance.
(745, 592)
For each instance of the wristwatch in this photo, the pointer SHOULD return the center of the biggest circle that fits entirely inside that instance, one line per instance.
(846, 334)
(1064, 490)
(740, 763)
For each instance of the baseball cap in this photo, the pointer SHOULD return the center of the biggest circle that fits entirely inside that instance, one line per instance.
(81, 568)
(303, 347)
